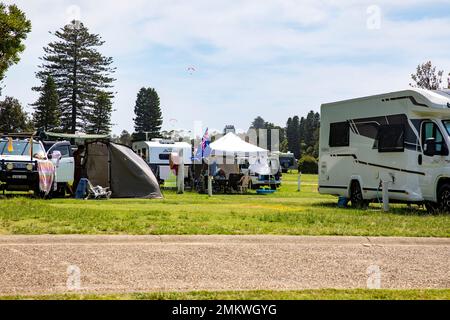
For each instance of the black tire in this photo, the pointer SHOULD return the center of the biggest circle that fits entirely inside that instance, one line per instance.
(60, 192)
(273, 187)
(432, 207)
(444, 198)
(356, 196)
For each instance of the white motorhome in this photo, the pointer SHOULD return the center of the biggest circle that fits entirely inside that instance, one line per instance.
(157, 154)
(401, 138)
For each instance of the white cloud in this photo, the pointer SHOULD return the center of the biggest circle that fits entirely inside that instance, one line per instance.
(273, 57)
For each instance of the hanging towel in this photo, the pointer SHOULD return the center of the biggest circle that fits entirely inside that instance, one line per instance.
(46, 171)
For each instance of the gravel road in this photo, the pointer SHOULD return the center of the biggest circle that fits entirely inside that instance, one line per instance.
(113, 264)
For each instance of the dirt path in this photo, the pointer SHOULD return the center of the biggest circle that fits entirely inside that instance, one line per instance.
(54, 264)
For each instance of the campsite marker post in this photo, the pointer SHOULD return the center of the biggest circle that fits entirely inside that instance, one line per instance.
(385, 187)
(209, 185)
(299, 181)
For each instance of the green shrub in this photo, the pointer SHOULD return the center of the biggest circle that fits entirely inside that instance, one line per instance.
(308, 164)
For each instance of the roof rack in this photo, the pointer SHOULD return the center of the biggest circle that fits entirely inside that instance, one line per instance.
(18, 135)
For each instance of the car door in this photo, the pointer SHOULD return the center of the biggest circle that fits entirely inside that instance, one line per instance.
(66, 166)
(431, 165)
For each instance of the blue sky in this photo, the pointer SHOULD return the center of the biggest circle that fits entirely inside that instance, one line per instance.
(273, 58)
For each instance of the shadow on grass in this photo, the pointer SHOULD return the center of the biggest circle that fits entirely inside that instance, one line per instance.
(399, 209)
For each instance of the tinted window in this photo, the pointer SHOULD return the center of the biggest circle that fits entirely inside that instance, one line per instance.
(391, 138)
(339, 134)
(164, 156)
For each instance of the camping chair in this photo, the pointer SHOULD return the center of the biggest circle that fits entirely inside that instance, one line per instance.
(244, 184)
(97, 192)
(233, 181)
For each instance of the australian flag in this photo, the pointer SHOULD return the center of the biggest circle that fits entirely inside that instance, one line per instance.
(203, 149)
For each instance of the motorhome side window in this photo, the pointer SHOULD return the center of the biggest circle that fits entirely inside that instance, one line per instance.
(391, 138)
(431, 130)
(339, 134)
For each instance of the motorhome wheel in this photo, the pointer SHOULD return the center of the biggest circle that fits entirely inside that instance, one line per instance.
(356, 196)
(444, 198)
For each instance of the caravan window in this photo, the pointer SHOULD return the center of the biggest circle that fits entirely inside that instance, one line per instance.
(339, 134)
(391, 138)
(164, 156)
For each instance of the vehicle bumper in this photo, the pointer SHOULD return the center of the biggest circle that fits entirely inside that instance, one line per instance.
(17, 180)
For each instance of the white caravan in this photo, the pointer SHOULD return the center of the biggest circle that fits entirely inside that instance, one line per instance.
(401, 138)
(157, 154)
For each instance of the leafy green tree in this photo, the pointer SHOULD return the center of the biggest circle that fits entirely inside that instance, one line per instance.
(125, 138)
(426, 77)
(14, 28)
(99, 117)
(148, 120)
(13, 119)
(46, 108)
(258, 123)
(308, 164)
(80, 72)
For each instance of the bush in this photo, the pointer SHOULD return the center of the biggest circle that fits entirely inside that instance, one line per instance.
(308, 164)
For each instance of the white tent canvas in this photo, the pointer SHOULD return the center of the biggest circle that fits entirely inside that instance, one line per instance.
(235, 149)
(232, 145)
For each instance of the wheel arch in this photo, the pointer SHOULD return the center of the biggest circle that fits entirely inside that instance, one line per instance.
(358, 179)
(440, 181)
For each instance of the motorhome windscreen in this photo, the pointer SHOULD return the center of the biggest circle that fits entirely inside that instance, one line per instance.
(19, 148)
(447, 126)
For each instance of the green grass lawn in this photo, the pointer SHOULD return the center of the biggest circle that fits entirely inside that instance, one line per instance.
(324, 294)
(287, 212)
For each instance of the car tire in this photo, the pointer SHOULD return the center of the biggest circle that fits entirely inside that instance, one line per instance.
(356, 196)
(444, 198)
(432, 207)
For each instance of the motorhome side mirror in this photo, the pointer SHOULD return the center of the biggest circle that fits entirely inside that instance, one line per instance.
(430, 147)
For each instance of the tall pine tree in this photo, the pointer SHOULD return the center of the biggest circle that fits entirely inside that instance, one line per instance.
(100, 115)
(148, 120)
(293, 135)
(80, 72)
(46, 108)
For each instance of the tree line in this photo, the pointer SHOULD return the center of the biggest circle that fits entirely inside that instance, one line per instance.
(300, 135)
(76, 83)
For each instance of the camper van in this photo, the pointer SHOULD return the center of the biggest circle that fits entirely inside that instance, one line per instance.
(157, 154)
(399, 139)
(287, 161)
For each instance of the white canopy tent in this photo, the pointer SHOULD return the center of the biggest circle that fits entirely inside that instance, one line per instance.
(232, 145)
(233, 149)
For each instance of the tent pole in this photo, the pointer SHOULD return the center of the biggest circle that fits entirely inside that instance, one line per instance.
(180, 177)
(209, 182)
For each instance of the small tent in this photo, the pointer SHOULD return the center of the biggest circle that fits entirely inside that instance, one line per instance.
(116, 166)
